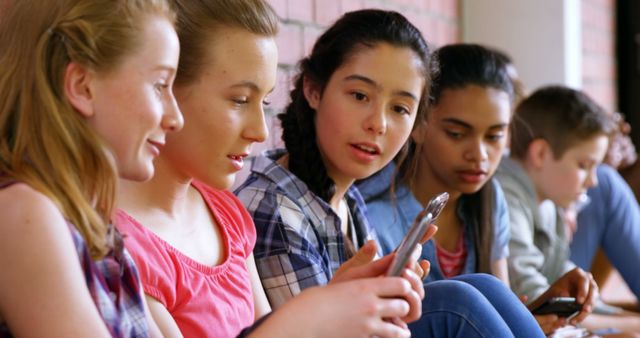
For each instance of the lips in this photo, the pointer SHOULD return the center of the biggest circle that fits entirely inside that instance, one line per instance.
(156, 146)
(237, 160)
(472, 176)
(370, 148)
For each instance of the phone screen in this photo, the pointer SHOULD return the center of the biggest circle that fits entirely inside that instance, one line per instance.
(416, 232)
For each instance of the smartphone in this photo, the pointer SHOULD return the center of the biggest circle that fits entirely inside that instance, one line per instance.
(561, 306)
(416, 232)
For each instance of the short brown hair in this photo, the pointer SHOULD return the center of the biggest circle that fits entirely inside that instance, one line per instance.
(559, 115)
(197, 22)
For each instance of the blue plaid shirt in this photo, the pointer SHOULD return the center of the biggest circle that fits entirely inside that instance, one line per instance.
(299, 241)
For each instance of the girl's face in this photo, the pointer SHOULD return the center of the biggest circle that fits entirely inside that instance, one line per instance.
(463, 138)
(134, 107)
(224, 108)
(367, 110)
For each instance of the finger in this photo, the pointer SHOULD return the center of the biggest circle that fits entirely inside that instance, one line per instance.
(588, 305)
(523, 299)
(373, 269)
(415, 256)
(415, 281)
(365, 255)
(389, 287)
(430, 232)
(426, 268)
(392, 308)
(582, 286)
(386, 329)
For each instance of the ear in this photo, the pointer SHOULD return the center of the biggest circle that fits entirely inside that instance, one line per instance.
(419, 131)
(538, 152)
(311, 92)
(77, 87)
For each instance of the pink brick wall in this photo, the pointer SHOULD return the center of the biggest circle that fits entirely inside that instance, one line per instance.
(304, 20)
(598, 51)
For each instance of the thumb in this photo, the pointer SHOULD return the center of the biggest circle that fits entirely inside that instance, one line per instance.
(365, 255)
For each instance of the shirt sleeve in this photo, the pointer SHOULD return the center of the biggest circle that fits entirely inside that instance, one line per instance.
(156, 274)
(286, 251)
(525, 260)
(501, 232)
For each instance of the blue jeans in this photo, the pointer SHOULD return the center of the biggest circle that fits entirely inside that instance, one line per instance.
(474, 305)
(611, 221)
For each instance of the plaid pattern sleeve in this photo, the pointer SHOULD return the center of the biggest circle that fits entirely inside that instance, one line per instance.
(287, 257)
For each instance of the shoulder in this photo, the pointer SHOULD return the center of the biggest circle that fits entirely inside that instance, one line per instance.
(21, 205)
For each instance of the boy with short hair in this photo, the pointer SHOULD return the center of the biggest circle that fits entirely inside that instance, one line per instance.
(559, 137)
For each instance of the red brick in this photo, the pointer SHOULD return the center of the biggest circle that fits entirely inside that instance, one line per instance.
(301, 10)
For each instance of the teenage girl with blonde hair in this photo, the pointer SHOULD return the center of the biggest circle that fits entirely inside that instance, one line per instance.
(71, 72)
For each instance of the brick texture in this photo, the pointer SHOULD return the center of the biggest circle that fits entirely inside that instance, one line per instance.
(598, 51)
(302, 21)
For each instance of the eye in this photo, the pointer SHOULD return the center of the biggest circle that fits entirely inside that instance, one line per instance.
(401, 110)
(495, 137)
(454, 134)
(239, 101)
(266, 102)
(359, 96)
(161, 87)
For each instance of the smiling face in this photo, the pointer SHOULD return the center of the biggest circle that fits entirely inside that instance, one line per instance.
(134, 106)
(564, 180)
(224, 108)
(366, 111)
(463, 138)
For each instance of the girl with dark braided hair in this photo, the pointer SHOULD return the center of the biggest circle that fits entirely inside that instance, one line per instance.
(352, 110)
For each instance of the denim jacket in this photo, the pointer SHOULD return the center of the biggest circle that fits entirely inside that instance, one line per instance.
(391, 220)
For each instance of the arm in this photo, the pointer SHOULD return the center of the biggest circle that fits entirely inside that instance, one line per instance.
(355, 308)
(163, 319)
(42, 281)
(287, 253)
(154, 329)
(261, 304)
(525, 259)
(500, 270)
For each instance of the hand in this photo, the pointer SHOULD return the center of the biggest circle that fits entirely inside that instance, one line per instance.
(575, 283)
(550, 323)
(357, 308)
(359, 270)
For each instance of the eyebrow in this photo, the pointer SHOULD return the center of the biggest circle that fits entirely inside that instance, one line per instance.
(356, 77)
(469, 126)
(251, 85)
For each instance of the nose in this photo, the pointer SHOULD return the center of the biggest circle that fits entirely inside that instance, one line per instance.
(172, 120)
(256, 127)
(476, 152)
(376, 121)
(592, 178)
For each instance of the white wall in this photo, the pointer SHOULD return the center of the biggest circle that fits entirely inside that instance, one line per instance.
(542, 36)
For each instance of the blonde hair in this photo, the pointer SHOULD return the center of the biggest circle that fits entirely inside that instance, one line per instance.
(44, 142)
(197, 21)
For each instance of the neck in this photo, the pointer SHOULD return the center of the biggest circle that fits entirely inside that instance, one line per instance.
(167, 192)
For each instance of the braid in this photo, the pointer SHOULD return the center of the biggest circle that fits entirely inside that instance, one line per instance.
(298, 128)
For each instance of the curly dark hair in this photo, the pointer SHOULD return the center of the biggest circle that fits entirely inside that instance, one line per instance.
(353, 32)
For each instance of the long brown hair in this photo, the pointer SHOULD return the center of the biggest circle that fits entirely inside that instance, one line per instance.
(44, 142)
(460, 65)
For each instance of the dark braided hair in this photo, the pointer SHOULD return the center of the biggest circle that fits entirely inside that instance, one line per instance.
(353, 32)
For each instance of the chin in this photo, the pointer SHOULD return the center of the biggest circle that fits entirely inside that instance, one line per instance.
(139, 175)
